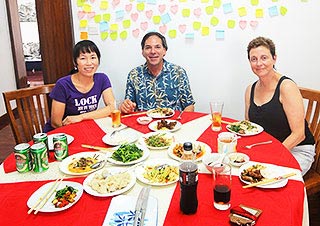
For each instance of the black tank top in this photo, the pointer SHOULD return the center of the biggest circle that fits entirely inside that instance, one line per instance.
(272, 117)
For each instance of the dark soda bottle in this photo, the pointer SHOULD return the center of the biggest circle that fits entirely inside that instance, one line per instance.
(188, 177)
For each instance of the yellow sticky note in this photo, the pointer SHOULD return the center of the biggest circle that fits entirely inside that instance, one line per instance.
(182, 0)
(204, 1)
(214, 21)
(123, 35)
(216, 3)
(185, 12)
(254, 2)
(114, 27)
(86, 8)
(114, 36)
(106, 17)
(283, 10)
(173, 33)
(83, 23)
(104, 5)
(259, 13)
(97, 18)
(140, 6)
(104, 35)
(242, 11)
(196, 25)
(83, 35)
(156, 19)
(274, 0)
(209, 10)
(126, 23)
(231, 24)
(205, 31)
(80, 3)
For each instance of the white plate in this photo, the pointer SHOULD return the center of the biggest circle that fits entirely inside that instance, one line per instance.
(234, 156)
(145, 155)
(122, 209)
(247, 133)
(153, 162)
(270, 171)
(151, 113)
(65, 163)
(50, 139)
(49, 207)
(90, 191)
(207, 149)
(166, 135)
(125, 136)
(153, 126)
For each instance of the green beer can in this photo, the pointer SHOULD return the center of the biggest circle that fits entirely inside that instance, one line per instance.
(39, 157)
(41, 137)
(23, 158)
(60, 146)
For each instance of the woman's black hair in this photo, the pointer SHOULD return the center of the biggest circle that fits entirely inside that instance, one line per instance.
(84, 46)
(163, 39)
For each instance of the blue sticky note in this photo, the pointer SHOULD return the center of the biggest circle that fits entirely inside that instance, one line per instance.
(189, 36)
(104, 26)
(119, 14)
(153, 2)
(220, 34)
(273, 11)
(227, 8)
(165, 18)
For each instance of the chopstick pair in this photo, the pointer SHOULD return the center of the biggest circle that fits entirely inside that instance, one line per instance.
(45, 197)
(96, 147)
(133, 114)
(269, 181)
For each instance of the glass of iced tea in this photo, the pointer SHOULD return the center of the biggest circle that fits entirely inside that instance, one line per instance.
(116, 115)
(221, 186)
(216, 114)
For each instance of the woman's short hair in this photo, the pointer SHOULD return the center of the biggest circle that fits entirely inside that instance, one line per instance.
(85, 46)
(262, 41)
(163, 39)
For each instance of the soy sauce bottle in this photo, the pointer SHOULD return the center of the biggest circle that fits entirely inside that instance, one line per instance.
(188, 178)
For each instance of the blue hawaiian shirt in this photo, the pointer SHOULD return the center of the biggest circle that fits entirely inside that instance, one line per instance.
(170, 88)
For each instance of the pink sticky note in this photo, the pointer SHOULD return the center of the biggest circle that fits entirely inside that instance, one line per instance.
(162, 8)
(81, 14)
(134, 16)
(182, 28)
(144, 25)
(136, 33)
(149, 14)
(197, 12)
(128, 7)
(163, 29)
(242, 24)
(174, 9)
(254, 24)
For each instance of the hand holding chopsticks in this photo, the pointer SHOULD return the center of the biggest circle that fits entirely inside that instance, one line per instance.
(269, 181)
(44, 198)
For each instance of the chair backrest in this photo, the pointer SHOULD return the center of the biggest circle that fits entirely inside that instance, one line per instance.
(28, 110)
(312, 117)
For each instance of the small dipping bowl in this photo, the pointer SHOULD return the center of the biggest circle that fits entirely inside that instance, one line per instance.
(238, 159)
(144, 120)
(210, 159)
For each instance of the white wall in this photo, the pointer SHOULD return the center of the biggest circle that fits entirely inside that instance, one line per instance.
(7, 69)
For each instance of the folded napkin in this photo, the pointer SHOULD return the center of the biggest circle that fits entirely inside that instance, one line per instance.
(244, 215)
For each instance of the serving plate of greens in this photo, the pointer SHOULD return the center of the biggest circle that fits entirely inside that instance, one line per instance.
(244, 128)
(129, 154)
(157, 140)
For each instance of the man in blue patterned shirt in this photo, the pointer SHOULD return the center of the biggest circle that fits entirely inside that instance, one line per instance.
(157, 83)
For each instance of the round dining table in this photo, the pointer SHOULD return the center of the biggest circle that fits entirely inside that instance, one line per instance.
(285, 205)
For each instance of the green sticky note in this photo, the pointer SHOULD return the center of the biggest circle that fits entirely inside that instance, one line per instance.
(209, 10)
(104, 35)
(274, 0)
(185, 12)
(173, 33)
(214, 21)
(216, 3)
(242, 11)
(140, 6)
(156, 19)
(104, 5)
(86, 8)
(126, 23)
(114, 27)
(231, 24)
(83, 23)
(254, 2)
(196, 25)
(205, 31)
(114, 35)
(97, 18)
(106, 17)
(283, 10)
(259, 13)
(123, 35)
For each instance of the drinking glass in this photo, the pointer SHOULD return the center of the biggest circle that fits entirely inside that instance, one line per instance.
(116, 114)
(221, 186)
(216, 114)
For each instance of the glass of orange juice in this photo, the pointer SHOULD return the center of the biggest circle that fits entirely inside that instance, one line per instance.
(216, 114)
(116, 114)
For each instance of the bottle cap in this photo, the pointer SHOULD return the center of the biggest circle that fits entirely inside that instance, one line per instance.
(187, 146)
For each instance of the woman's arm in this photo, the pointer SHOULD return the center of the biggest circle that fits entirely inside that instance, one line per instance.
(57, 112)
(247, 102)
(292, 102)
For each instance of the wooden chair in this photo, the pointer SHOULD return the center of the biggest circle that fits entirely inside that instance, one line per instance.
(30, 106)
(312, 178)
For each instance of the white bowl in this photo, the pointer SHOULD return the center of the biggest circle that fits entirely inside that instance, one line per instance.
(238, 159)
(210, 159)
(144, 120)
